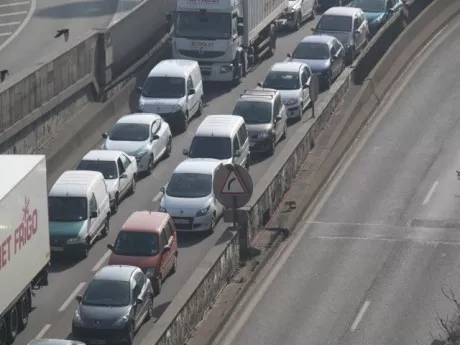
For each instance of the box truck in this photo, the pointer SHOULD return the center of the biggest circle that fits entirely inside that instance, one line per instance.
(226, 37)
(24, 239)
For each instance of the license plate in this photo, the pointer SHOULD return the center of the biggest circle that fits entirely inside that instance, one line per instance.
(57, 249)
(181, 221)
(97, 342)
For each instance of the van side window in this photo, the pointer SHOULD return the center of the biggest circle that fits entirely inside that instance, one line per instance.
(164, 239)
(121, 168)
(242, 134)
(236, 144)
(276, 107)
(126, 162)
(189, 83)
(92, 204)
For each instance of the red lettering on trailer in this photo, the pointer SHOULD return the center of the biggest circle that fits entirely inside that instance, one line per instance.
(5, 252)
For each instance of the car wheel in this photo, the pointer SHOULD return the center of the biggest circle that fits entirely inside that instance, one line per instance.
(150, 165)
(272, 49)
(284, 135)
(184, 123)
(298, 22)
(24, 310)
(150, 309)
(174, 266)
(300, 111)
(157, 285)
(247, 164)
(271, 150)
(106, 229)
(132, 188)
(115, 203)
(130, 335)
(85, 249)
(328, 81)
(168, 147)
(199, 112)
(13, 324)
(312, 14)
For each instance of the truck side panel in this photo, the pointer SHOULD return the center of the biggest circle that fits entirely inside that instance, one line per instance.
(260, 13)
(24, 234)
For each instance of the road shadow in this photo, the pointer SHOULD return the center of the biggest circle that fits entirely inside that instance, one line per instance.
(83, 9)
(61, 262)
(225, 237)
(257, 158)
(160, 309)
(185, 239)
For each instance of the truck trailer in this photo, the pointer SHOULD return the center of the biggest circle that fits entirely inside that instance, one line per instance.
(24, 239)
(226, 37)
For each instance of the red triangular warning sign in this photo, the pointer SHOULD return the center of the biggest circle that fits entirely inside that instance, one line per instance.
(233, 185)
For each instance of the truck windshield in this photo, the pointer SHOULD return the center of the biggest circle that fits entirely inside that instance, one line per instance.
(67, 209)
(203, 25)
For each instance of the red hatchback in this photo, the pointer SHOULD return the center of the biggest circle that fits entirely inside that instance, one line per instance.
(147, 240)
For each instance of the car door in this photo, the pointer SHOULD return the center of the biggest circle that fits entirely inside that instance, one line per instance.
(244, 142)
(340, 56)
(129, 171)
(306, 76)
(307, 7)
(191, 99)
(334, 60)
(171, 240)
(135, 294)
(277, 111)
(156, 143)
(141, 282)
(96, 222)
(236, 147)
(165, 261)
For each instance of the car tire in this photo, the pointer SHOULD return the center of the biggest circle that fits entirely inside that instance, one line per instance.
(130, 334)
(298, 22)
(116, 202)
(150, 165)
(12, 324)
(24, 310)
(157, 285)
(272, 49)
(284, 135)
(199, 111)
(85, 249)
(168, 147)
(106, 229)
(174, 266)
(132, 188)
(271, 150)
(150, 309)
(328, 81)
(184, 123)
(300, 111)
(312, 14)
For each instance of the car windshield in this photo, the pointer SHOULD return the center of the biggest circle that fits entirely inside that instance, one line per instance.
(164, 87)
(312, 51)
(203, 25)
(211, 147)
(282, 80)
(106, 168)
(67, 209)
(189, 185)
(334, 23)
(130, 132)
(131, 243)
(110, 293)
(370, 5)
(254, 112)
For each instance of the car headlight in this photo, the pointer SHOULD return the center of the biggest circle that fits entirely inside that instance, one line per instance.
(203, 212)
(150, 273)
(226, 68)
(74, 240)
(264, 135)
(141, 154)
(77, 318)
(121, 321)
(162, 209)
(292, 101)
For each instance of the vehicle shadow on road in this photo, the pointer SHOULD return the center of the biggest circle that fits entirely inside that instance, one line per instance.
(190, 239)
(81, 9)
(61, 263)
(160, 309)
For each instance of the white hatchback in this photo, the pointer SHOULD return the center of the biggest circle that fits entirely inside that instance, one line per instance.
(189, 197)
(119, 172)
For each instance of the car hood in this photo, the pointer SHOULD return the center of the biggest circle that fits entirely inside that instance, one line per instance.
(184, 207)
(105, 316)
(344, 37)
(66, 229)
(143, 262)
(288, 94)
(161, 105)
(129, 147)
(258, 128)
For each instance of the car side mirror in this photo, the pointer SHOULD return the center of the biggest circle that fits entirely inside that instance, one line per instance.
(123, 176)
(240, 29)
(139, 89)
(259, 84)
(155, 137)
(237, 153)
(289, 55)
(278, 118)
(391, 10)
(110, 246)
(313, 29)
(139, 301)
(357, 32)
(191, 92)
(94, 214)
(166, 249)
(306, 85)
(162, 189)
(105, 135)
(78, 298)
(185, 152)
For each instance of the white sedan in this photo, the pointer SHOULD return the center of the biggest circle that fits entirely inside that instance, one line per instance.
(144, 136)
(119, 172)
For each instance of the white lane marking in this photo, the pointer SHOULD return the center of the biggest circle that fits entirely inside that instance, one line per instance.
(5, 34)
(101, 261)
(43, 331)
(33, 6)
(157, 197)
(382, 239)
(71, 297)
(15, 4)
(10, 24)
(430, 193)
(360, 316)
(13, 14)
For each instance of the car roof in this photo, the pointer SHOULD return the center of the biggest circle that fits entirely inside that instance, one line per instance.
(319, 38)
(218, 125)
(198, 165)
(146, 118)
(74, 183)
(288, 66)
(259, 95)
(54, 342)
(145, 221)
(173, 68)
(342, 11)
(102, 155)
(115, 272)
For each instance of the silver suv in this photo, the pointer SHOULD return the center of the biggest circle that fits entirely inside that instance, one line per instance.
(265, 117)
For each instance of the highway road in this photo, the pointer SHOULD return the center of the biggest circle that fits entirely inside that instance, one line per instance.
(368, 264)
(37, 21)
(55, 304)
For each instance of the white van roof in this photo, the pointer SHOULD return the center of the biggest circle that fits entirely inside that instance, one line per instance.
(198, 166)
(16, 168)
(173, 68)
(342, 11)
(102, 155)
(75, 183)
(219, 125)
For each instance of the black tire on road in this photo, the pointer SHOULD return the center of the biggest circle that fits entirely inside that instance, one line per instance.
(24, 310)
(12, 324)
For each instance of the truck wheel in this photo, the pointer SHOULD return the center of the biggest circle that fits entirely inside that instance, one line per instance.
(3, 332)
(13, 324)
(24, 309)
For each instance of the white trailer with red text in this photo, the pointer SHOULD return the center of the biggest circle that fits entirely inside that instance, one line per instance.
(226, 37)
(24, 239)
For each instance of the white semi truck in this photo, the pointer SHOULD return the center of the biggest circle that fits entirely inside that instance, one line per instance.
(24, 239)
(226, 37)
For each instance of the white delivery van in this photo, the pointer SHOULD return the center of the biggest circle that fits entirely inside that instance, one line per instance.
(174, 90)
(222, 137)
(79, 210)
(24, 239)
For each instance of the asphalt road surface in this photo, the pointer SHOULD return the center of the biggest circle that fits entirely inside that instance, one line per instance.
(55, 304)
(32, 42)
(368, 265)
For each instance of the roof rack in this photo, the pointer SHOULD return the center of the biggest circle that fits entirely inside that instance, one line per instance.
(260, 92)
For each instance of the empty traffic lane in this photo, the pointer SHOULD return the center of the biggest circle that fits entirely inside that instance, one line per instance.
(368, 265)
(55, 304)
(14, 14)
